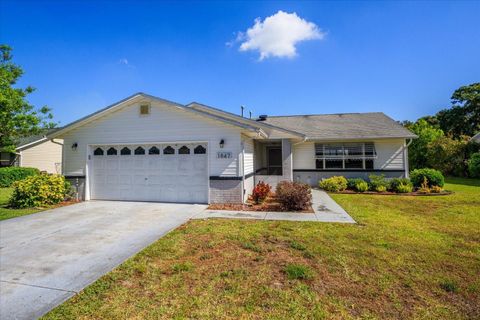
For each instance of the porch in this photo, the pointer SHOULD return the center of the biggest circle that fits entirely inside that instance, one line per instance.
(272, 161)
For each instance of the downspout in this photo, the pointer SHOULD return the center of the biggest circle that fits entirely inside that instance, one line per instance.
(405, 158)
(60, 144)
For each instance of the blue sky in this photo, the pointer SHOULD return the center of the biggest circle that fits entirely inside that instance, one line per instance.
(402, 58)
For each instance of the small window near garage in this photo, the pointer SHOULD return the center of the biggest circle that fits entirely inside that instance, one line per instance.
(144, 110)
(169, 150)
(112, 151)
(153, 150)
(98, 152)
(184, 150)
(125, 151)
(199, 150)
(139, 151)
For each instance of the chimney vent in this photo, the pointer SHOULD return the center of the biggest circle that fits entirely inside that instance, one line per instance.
(262, 117)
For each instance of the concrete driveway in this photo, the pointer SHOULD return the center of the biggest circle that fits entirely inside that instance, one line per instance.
(46, 258)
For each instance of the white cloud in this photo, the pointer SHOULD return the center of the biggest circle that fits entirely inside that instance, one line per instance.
(123, 61)
(277, 35)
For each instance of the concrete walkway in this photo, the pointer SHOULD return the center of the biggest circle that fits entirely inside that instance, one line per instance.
(46, 258)
(324, 207)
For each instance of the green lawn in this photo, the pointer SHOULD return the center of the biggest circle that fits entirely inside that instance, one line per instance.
(7, 213)
(409, 257)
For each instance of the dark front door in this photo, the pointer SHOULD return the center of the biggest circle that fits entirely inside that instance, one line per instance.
(274, 160)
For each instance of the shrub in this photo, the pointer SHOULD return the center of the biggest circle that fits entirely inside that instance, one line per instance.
(424, 188)
(9, 175)
(436, 189)
(378, 183)
(404, 188)
(434, 177)
(474, 165)
(298, 271)
(294, 195)
(361, 186)
(38, 191)
(394, 183)
(260, 192)
(352, 182)
(333, 184)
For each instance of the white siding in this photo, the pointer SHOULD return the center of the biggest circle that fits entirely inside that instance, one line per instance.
(389, 152)
(248, 156)
(46, 156)
(164, 124)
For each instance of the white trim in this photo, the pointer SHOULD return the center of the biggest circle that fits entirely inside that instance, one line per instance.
(25, 146)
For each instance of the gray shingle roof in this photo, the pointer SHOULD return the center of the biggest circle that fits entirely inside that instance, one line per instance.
(343, 126)
(26, 140)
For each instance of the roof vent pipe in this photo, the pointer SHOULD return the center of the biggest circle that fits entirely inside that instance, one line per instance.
(262, 117)
(241, 108)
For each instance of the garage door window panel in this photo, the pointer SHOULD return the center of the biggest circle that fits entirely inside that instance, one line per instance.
(184, 150)
(169, 150)
(98, 152)
(112, 151)
(139, 151)
(200, 150)
(154, 150)
(125, 151)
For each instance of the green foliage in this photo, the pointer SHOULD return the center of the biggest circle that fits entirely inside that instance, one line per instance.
(361, 186)
(294, 195)
(434, 177)
(378, 183)
(449, 286)
(39, 191)
(417, 152)
(395, 182)
(182, 267)
(352, 182)
(9, 175)
(474, 165)
(17, 117)
(333, 184)
(464, 116)
(298, 271)
(404, 188)
(448, 155)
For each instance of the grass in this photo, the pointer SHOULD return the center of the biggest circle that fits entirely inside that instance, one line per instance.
(8, 213)
(408, 257)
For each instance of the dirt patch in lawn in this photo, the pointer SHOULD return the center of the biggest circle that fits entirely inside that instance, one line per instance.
(270, 204)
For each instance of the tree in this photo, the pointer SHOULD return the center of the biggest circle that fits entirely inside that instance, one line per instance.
(448, 155)
(18, 118)
(464, 116)
(418, 150)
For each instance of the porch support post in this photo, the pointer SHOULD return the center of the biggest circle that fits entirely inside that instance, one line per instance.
(287, 160)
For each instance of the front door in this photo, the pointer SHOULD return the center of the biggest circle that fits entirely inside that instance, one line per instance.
(274, 161)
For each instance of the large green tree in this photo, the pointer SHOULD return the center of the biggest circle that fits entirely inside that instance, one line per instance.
(18, 118)
(418, 150)
(463, 118)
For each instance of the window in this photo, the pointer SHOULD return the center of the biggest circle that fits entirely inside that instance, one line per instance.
(345, 156)
(98, 152)
(112, 151)
(168, 150)
(125, 151)
(184, 150)
(139, 151)
(199, 150)
(144, 109)
(153, 150)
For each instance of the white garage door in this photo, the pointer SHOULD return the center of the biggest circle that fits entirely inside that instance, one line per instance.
(160, 172)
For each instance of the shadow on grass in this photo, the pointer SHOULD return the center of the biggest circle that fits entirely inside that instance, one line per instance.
(463, 181)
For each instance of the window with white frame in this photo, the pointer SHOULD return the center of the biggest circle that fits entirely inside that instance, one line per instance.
(345, 156)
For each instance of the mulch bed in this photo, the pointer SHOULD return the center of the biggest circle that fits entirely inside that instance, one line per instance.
(389, 193)
(270, 204)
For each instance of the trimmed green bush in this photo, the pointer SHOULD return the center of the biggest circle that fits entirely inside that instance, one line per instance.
(474, 165)
(434, 177)
(404, 188)
(394, 183)
(333, 184)
(9, 175)
(39, 191)
(352, 182)
(378, 183)
(361, 186)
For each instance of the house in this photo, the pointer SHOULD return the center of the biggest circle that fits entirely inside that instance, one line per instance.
(36, 152)
(476, 138)
(144, 148)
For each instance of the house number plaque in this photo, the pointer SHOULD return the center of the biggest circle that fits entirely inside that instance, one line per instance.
(224, 155)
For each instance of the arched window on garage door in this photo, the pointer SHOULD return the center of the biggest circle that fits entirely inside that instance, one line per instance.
(153, 150)
(184, 150)
(112, 151)
(98, 152)
(139, 151)
(169, 150)
(125, 151)
(199, 150)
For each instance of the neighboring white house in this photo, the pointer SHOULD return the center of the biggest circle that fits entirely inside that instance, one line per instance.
(476, 138)
(36, 152)
(145, 148)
